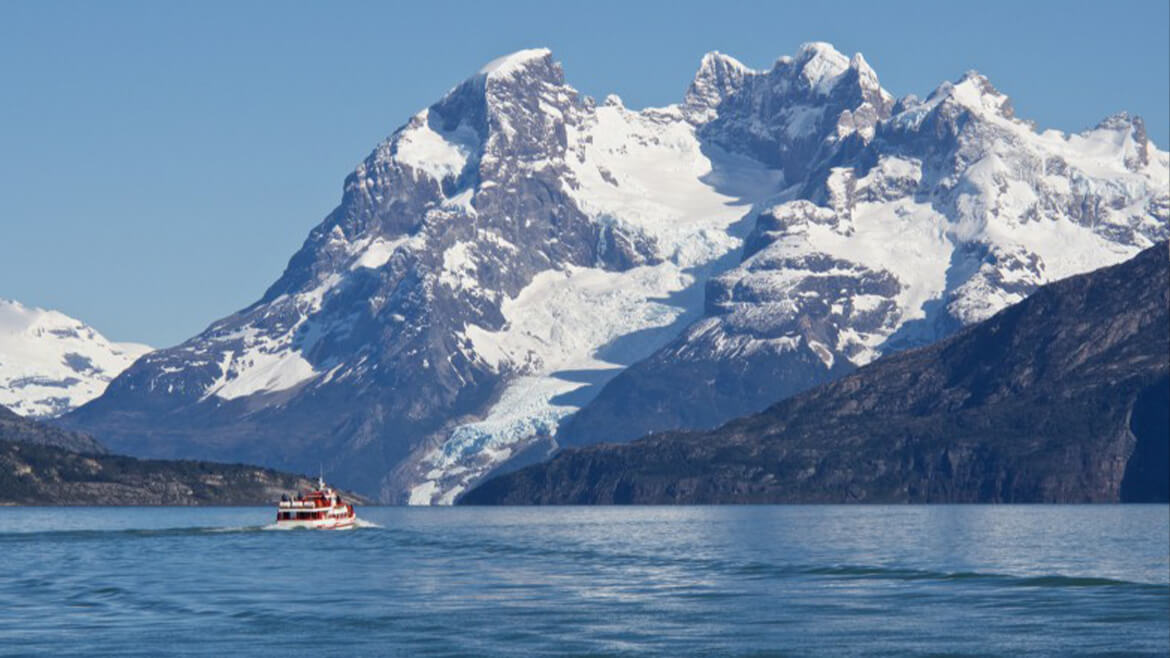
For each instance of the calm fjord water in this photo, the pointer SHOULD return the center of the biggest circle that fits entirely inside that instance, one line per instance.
(767, 580)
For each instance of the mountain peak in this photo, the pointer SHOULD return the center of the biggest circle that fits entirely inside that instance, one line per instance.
(52, 362)
(975, 93)
(1124, 121)
(718, 77)
(1132, 129)
(866, 76)
(715, 61)
(820, 64)
(811, 49)
(513, 63)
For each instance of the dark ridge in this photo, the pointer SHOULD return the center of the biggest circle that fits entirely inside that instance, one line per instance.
(34, 474)
(23, 430)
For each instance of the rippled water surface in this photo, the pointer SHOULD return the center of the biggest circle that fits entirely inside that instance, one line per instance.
(645, 580)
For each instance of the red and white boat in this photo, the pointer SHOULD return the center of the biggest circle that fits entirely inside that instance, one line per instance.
(321, 509)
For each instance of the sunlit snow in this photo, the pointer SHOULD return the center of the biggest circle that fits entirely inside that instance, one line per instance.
(51, 363)
(438, 154)
(642, 170)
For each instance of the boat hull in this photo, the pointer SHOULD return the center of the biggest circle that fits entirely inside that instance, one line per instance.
(317, 524)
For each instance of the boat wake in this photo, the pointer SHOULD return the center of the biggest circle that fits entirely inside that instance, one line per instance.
(234, 529)
(96, 533)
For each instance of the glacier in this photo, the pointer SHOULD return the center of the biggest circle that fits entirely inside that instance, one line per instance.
(521, 267)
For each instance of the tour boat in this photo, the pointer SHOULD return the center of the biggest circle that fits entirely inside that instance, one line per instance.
(321, 508)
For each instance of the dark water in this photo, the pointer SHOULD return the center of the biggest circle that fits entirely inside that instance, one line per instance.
(968, 580)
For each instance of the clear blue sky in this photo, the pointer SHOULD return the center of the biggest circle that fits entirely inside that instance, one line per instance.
(160, 161)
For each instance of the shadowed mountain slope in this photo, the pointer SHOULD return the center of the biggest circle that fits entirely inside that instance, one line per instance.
(1060, 398)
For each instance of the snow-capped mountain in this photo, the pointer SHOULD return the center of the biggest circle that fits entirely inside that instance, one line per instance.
(51, 363)
(935, 216)
(453, 309)
(506, 253)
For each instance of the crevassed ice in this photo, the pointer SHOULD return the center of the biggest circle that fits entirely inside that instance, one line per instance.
(647, 172)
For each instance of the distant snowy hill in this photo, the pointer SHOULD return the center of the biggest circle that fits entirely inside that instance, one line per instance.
(499, 260)
(51, 363)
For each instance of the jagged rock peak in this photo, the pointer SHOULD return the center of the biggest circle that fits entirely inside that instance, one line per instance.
(1124, 121)
(513, 63)
(976, 93)
(821, 65)
(1132, 128)
(822, 70)
(717, 61)
(501, 79)
(613, 100)
(718, 77)
(866, 76)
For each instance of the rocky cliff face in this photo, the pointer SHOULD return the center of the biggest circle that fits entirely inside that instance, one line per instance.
(1063, 397)
(504, 255)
